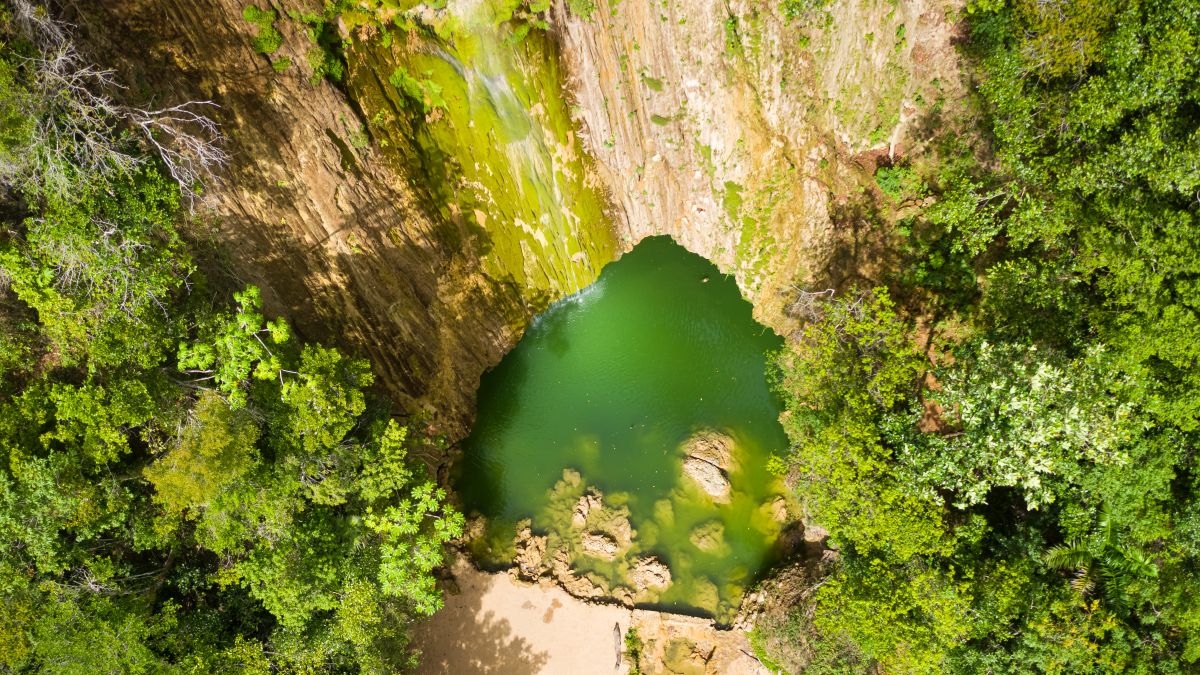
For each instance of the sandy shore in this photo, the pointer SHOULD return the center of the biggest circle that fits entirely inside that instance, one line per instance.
(495, 625)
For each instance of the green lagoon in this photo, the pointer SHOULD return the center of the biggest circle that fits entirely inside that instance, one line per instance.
(611, 383)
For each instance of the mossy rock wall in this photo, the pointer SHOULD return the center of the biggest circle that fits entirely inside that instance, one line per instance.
(459, 179)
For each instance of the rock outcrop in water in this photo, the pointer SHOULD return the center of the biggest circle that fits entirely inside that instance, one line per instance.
(603, 530)
(713, 447)
(570, 580)
(590, 500)
(709, 537)
(709, 457)
(580, 525)
(650, 574)
(599, 545)
(777, 509)
(531, 553)
(711, 479)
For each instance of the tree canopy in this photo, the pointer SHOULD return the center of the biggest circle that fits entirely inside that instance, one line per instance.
(1024, 497)
(184, 485)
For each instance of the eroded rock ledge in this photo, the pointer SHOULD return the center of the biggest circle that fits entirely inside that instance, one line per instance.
(596, 530)
(582, 526)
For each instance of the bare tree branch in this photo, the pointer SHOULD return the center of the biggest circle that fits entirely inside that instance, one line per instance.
(807, 305)
(78, 128)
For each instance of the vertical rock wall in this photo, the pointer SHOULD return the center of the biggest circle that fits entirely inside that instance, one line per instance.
(724, 124)
(317, 219)
(732, 127)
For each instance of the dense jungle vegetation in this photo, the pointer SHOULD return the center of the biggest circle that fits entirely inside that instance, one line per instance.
(184, 485)
(1023, 495)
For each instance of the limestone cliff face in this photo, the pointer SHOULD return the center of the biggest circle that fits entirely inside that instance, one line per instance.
(731, 127)
(723, 124)
(332, 236)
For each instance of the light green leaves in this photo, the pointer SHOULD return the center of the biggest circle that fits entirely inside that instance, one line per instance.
(232, 348)
(214, 449)
(841, 379)
(1023, 418)
(324, 398)
(413, 534)
(99, 420)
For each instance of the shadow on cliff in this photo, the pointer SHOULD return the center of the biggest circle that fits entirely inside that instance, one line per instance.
(332, 237)
(861, 255)
(463, 639)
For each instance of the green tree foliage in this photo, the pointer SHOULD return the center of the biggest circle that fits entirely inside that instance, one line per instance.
(1030, 504)
(1023, 418)
(1100, 172)
(215, 448)
(183, 487)
(842, 381)
(232, 348)
(1064, 37)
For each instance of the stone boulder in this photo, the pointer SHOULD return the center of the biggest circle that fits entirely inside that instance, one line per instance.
(708, 457)
(606, 529)
(711, 446)
(590, 501)
(599, 545)
(709, 477)
(531, 554)
(650, 573)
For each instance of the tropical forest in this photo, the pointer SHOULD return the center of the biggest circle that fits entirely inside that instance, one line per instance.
(599, 336)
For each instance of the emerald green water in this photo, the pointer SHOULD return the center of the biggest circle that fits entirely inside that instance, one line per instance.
(609, 382)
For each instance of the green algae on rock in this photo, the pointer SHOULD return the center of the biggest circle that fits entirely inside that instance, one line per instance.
(587, 426)
(469, 103)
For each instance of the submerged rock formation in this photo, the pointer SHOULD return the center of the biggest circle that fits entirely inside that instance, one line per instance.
(591, 500)
(709, 537)
(599, 545)
(604, 524)
(710, 478)
(579, 525)
(713, 447)
(570, 580)
(776, 509)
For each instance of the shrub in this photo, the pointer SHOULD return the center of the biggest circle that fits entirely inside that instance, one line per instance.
(899, 183)
(269, 39)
